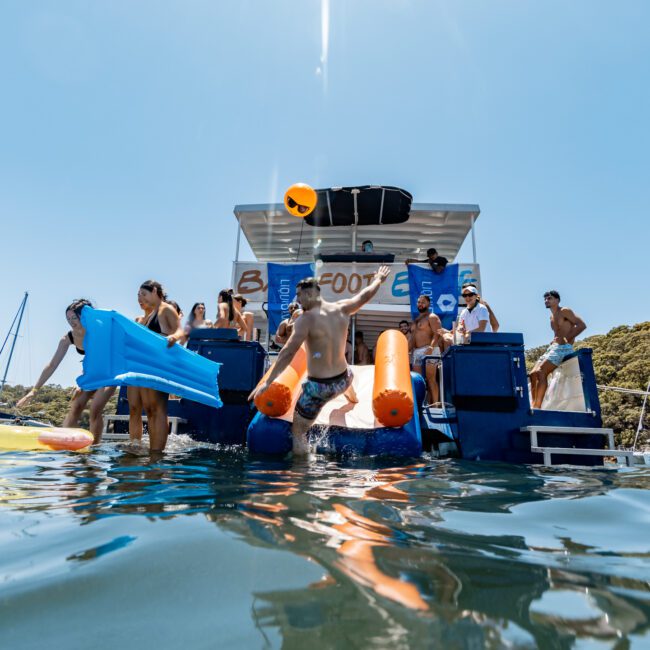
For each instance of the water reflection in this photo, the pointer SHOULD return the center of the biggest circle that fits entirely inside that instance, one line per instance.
(431, 553)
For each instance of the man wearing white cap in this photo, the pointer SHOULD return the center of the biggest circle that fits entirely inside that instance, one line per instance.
(475, 317)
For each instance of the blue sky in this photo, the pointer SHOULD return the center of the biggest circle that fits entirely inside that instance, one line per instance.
(128, 130)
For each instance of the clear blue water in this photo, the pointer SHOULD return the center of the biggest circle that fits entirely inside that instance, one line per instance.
(215, 549)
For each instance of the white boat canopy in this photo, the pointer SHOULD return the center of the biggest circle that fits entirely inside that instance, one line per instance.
(274, 235)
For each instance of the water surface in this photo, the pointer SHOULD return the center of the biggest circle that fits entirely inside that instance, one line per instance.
(213, 548)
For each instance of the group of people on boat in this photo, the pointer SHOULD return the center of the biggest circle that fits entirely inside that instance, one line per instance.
(162, 316)
(321, 326)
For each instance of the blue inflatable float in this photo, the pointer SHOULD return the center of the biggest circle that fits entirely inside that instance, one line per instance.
(120, 352)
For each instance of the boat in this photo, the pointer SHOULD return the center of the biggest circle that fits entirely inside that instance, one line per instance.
(485, 411)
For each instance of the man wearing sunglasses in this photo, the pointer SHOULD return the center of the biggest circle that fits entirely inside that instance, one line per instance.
(566, 325)
(475, 317)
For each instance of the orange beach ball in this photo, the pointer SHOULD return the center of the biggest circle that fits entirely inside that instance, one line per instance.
(300, 200)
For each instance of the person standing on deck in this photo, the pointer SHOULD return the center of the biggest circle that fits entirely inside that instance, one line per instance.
(323, 328)
(286, 326)
(475, 317)
(438, 263)
(425, 339)
(494, 323)
(228, 317)
(566, 326)
(362, 355)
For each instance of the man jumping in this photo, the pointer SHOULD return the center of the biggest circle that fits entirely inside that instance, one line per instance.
(566, 325)
(323, 327)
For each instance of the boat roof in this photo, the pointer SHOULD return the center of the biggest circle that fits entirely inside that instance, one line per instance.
(274, 235)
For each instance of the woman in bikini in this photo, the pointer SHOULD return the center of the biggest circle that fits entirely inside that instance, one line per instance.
(133, 392)
(197, 318)
(239, 303)
(227, 314)
(80, 398)
(161, 318)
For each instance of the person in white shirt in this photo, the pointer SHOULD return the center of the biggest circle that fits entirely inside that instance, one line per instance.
(475, 317)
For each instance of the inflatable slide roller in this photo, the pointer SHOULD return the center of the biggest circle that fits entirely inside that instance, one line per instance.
(17, 438)
(392, 393)
(276, 400)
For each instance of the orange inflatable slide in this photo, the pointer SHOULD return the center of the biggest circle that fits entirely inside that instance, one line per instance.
(277, 399)
(392, 394)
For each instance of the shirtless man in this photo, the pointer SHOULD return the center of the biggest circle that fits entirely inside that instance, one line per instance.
(323, 328)
(361, 352)
(426, 338)
(566, 325)
(286, 326)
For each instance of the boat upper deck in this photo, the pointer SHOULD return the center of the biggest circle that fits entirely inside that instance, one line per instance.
(274, 235)
(384, 216)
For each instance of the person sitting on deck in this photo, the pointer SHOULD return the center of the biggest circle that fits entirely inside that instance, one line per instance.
(566, 326)
(426, 339)
(362, 356)
(286, 326)
(435, 261)
(323, 329)
(494, 323)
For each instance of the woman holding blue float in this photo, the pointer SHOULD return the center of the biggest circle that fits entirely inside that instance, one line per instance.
(161, 318)
(80, 398)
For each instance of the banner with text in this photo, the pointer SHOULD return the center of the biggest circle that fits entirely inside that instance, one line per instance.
(342, 280)
(442, 289)
(283, 279)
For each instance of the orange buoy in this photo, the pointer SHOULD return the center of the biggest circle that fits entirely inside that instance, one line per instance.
(392, 392)
(277, 398)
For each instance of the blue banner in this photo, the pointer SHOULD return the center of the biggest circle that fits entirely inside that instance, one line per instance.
(442, 289)
(283, 279)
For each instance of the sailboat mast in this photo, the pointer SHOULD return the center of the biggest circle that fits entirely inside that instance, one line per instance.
(19, 316)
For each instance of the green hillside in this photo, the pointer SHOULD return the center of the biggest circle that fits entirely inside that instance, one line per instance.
(50, 403)
(621, 358)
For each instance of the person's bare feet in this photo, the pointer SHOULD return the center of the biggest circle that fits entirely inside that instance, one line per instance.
(301, 446)
(135, 448)
(351, 395)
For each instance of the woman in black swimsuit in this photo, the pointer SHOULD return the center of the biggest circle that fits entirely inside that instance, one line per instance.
(75, 338)
(162, 319)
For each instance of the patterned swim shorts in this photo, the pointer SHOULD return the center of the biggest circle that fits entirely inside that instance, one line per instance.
(556, 353)
(316, 392)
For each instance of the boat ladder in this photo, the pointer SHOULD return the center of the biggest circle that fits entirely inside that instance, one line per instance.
(110, 436)
(573, 451)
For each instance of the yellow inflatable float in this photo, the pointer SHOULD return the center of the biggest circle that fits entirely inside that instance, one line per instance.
(17, 438)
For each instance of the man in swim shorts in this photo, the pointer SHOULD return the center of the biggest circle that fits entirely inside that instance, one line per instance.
(323, 328)
(566, 325)
(426, 339)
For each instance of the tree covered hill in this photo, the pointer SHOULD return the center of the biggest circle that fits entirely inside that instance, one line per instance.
(621, 358)
(49, 404)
